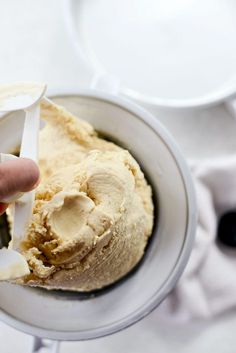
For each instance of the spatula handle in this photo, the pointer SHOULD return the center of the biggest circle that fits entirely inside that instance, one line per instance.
(29, 144)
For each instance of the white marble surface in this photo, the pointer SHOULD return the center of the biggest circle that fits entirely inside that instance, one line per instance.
(35, 46)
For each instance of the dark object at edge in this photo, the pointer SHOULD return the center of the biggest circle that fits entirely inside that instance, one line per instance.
(227, 229)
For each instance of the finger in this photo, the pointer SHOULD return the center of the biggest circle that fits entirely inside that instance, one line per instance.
(19, 175)
(3, 207)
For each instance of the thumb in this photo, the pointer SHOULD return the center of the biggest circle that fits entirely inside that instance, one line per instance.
(17, 175)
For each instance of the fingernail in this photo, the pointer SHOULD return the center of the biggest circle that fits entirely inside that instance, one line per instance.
(36, 184)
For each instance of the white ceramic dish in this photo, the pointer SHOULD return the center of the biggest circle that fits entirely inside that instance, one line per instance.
(64, 316)
(166, 53)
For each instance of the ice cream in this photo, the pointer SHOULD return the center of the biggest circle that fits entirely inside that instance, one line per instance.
(93, 212)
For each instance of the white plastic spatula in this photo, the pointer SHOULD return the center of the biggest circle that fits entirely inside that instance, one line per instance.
(21, 96)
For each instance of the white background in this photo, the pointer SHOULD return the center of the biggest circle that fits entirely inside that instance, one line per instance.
(34, 45)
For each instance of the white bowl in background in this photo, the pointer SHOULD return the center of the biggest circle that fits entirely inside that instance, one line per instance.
(166, 53)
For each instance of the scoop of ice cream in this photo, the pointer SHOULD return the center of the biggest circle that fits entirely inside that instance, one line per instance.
(93, 212)
(65, 140)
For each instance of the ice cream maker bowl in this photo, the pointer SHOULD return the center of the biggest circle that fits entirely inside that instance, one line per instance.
(69, 316)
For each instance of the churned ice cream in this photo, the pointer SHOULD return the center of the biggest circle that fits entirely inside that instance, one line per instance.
(93, 212)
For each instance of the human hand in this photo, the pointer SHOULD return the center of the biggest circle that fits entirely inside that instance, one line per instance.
(18, 175)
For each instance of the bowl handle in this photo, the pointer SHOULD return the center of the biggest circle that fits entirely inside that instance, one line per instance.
(106, 83)
(40, 343)
(231, 106)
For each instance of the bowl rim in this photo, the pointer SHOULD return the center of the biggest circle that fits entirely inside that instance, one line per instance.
(190, 229)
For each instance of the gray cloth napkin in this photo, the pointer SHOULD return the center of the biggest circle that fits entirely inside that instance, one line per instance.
(208, 284)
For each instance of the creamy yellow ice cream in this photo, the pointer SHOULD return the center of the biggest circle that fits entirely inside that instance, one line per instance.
(93, 212)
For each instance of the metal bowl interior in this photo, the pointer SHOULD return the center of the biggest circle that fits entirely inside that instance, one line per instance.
(70, 316)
